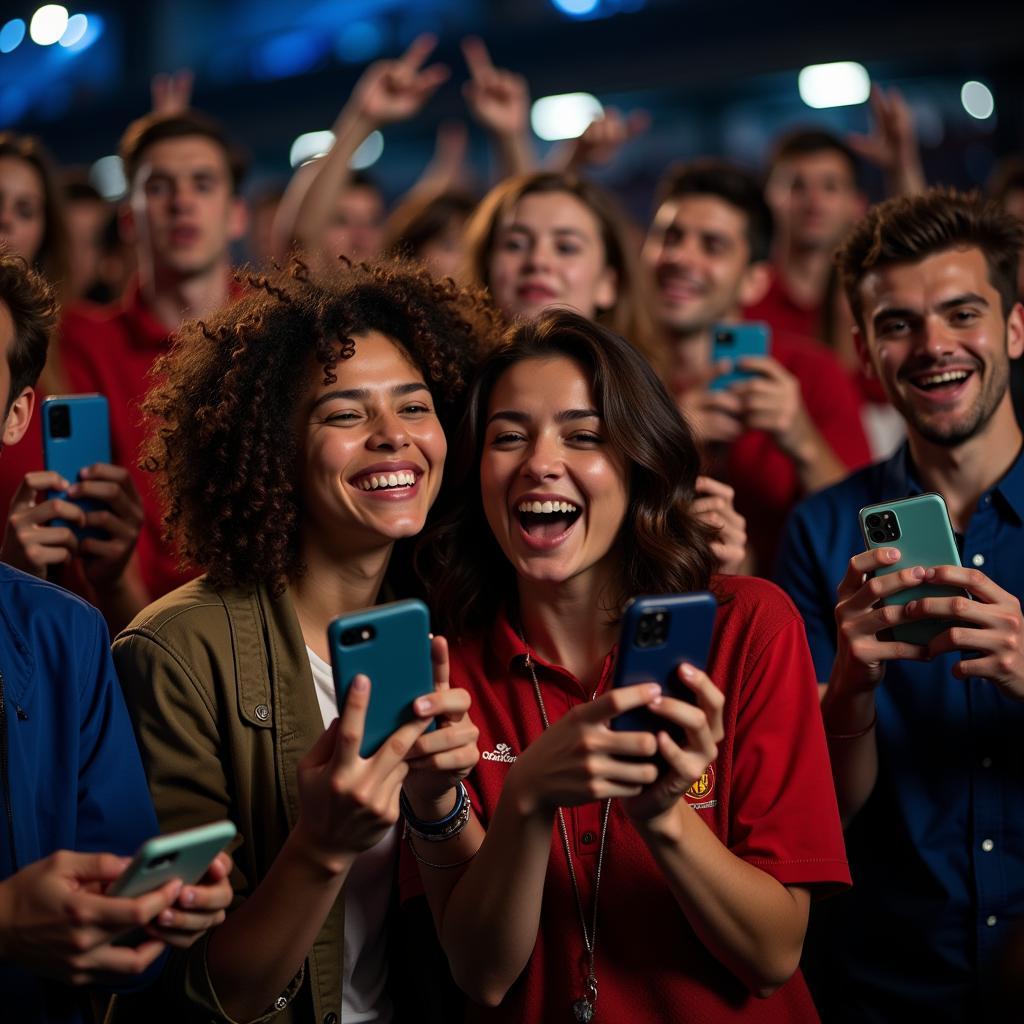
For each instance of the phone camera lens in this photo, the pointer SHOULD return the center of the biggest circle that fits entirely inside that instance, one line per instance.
(878, 536)
(874, 519)
(60, 421)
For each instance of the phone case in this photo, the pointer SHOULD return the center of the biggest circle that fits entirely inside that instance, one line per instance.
(691, 618)
(736, 341)
(396, 657)
(925, 538)
(185, 855)
(87, 441)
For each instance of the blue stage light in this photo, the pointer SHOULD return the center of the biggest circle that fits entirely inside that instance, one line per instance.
(11, 35)
(576, 8)
(359, 42)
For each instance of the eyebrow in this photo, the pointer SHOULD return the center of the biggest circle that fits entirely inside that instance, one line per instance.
(968, 298)
(362, 394)
(565, 416)
(564, 230)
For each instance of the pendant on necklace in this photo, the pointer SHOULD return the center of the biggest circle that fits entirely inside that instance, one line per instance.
(583, 1008)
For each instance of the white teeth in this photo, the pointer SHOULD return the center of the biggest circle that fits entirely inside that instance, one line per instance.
(404, 478)
(545, 507)
(945, 378)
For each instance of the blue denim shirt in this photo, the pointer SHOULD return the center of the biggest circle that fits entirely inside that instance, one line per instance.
(74, 776)
(937, 852)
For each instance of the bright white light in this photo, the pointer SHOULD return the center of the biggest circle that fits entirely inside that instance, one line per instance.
(565, 116)
(107, 176)
(48, 24)
(978, 100)
(78, 25)
(368, 152)
(834, 85)
(309, 146)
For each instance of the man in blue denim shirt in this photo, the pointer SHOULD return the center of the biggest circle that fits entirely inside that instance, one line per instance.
(72, 786)
(927, 743)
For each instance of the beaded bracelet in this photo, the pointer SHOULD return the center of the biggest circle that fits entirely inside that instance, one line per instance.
(854, 735)
(444, 828)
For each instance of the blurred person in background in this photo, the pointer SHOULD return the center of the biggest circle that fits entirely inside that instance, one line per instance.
(431, 229)
(794, 426)
(87, 214)
(263, 204)
(182, 213)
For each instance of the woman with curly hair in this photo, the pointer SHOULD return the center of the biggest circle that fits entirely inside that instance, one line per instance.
(298, 436)
(670, 894)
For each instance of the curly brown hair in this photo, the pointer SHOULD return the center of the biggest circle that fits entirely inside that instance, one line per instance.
(222, 436)
(665, 548)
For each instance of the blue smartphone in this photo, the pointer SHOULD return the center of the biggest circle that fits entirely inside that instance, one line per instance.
(390, 643)
(920, 528)
(657, 633)
(185, 855)
(735, 342)
(76, 434)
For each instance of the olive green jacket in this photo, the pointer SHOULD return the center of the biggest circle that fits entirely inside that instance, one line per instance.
(220, 691)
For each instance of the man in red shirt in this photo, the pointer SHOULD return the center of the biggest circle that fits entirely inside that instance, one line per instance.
(182, 213)
(794, 426)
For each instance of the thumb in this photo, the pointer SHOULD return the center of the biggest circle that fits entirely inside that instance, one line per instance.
(95, 867)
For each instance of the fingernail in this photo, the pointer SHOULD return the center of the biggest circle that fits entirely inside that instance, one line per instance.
(167, 917)
(653, 690)
(929, 574)
(892, 554)
(917, 572)
(688, 671)
(657, 700)
(188, 897)
(360, 684)
(423, 706)
(910, 607)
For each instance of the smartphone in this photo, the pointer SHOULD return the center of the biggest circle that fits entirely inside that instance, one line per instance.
(920, 528)
(185, 855)
(657, 633)
(735, 342)
(390, 643)
(76, 434)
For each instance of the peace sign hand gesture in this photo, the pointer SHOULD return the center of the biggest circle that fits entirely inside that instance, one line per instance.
(395, 90)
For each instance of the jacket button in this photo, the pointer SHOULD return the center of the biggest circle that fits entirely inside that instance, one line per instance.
(262, 712)
(330, 1018)
(280, 1003)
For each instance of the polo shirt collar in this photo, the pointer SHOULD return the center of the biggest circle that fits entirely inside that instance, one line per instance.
(898, 480)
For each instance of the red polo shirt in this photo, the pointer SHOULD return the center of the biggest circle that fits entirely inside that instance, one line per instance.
(768, 797)
(764, 477)
(111, 349)
(783, 313)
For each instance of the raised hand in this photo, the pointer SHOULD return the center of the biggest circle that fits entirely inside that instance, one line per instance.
(498, 99)
(605, 137)
(581, 758)
(704, 728)
(395, 90)
(714, 506)
(440, 759)
(892, 142)
(172, 93)
(55, 920)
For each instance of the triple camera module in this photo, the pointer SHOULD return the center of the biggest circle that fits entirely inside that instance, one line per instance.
(652, 629)
(883, 527)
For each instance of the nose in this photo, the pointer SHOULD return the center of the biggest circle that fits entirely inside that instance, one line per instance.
(543, 460)
(538, 254)
(936, 338)
(388, 434)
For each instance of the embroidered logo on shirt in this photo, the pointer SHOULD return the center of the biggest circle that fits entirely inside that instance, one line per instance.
(701, 789)
(502, 752)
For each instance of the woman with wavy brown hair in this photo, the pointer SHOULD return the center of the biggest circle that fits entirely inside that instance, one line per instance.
(298, 436)
(622, 873)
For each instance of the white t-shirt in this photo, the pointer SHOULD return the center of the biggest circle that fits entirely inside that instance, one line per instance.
(364, 969)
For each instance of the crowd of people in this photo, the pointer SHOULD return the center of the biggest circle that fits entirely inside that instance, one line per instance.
(513, 407)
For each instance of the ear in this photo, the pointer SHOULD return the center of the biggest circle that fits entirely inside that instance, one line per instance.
(754, 285)
(863, 355)
(238, 219)
(18, 417)
(1015, 332)
(606, 292)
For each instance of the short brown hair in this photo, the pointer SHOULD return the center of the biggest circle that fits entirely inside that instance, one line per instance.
(33, 309)
(908, 229)
(809, 142)
(223, 406)
(631, 316)
(665, 547)
(153, 128)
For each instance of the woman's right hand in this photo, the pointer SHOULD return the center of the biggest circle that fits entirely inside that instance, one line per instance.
(579, 759)
(347, 803)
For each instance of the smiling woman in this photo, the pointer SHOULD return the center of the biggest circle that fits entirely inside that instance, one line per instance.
(298, 435)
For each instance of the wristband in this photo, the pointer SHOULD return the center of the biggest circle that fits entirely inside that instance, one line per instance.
(854, 735)
(444, 828)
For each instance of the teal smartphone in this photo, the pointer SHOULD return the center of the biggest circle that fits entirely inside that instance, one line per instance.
(920, 528)
(185, 855)
(657, 633)
(390, 643)
(735, 342)
(76, 434)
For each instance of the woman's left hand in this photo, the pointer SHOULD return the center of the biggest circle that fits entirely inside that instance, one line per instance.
(704, 730)
(440, 759)
(198, 907)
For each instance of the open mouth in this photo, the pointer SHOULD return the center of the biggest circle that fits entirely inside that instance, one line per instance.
(547, 521)
(400, 480)
(941, 382)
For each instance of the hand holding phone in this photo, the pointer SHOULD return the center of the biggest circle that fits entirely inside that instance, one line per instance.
(733, 342)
